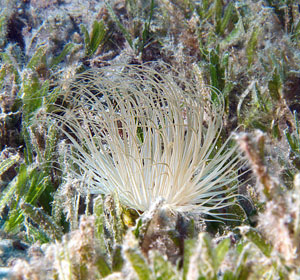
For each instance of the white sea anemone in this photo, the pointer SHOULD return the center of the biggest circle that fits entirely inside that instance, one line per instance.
(145, 135)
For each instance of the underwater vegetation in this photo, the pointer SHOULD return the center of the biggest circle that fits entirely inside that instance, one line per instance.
(149, 139)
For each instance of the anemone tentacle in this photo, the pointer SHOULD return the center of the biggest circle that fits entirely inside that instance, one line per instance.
(145, 135)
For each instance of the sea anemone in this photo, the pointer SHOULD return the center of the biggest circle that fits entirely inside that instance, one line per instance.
(146, 135)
